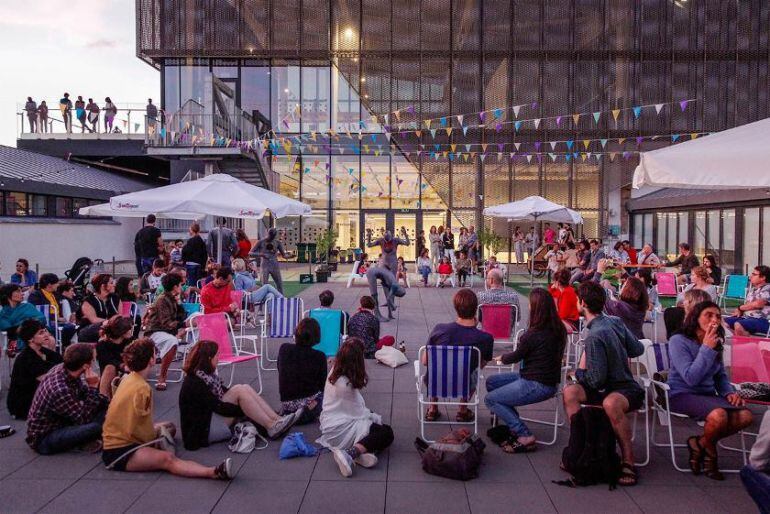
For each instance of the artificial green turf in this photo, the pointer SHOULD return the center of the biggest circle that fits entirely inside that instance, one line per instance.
(294, 288)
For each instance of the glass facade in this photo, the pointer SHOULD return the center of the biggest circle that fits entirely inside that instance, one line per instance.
(15, 203)
(314, 66)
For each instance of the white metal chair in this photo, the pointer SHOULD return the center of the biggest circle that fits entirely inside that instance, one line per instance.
(354, 274)
(451, 278)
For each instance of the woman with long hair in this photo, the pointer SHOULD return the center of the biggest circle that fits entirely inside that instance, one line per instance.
(699, 279)
(203, 394)
(116, 333)
(631, 307)
(302, 372)
(540, 349)
(244, 244)
(435, 246)
(352, 432)
(701, 389)
(97, 307)
(714, 272)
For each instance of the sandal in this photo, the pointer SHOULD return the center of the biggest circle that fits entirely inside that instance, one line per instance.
(160, 386)
(628, 475)
(432, 415)
(711, 466)
(696, 455)
(465, 416)
(513, 445)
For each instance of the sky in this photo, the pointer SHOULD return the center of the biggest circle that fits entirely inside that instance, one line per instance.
(84, 47)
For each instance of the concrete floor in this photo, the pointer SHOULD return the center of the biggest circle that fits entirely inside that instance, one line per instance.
(78, 482)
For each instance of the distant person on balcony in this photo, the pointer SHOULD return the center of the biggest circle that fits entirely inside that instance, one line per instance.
(65, 105)
(147, 244)
(110, 111)
(266, 251)
(152, 114)
(93, 114)
(80, 113)
(42, 112)
(31, 109)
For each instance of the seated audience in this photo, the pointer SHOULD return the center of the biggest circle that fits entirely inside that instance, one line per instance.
(401, 271)
(352, 432)
(540, 350)
(686, 261)
(555, 260)
(753, 316)
(584, 260)
(203, 394)
(571, 260)
(713, 271)
(128, 426)
(45, 294)
(594, 255)
(245, 281)
(15, 310)
(462, 332)
(151, 280)
(699, 280)
(215, 296)
(97, 307)
(116, 333)
(424, 265)
(444, 271)
(618, 254)
(631, 306)
(631, 251)
(126, 290)
(67, 411)
(701, 389)
(362, 266)
(24, 277)
(604, 377)
(302, 372)
(566, 299)
(30, 366)
(608, 274)
(364, 326)
(647, 256)
(175, 255)
(756, 475)
(462, 268)
(164, 324)
(496, 293)
(645, 275)
(673, 317)
(326, 298)
(65, 292)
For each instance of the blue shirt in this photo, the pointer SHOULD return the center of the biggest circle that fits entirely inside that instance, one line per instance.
(696, 369)
(243, 281)
(30, 278)
(454, 334)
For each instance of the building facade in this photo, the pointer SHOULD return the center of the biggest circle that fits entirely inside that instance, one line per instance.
(417, 113)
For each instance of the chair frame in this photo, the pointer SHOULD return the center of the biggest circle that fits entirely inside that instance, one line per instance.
(354, 274)
(722, 291)
(264, 337)
(515, 331)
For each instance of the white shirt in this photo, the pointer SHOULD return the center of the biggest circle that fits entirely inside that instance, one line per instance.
(345, 420)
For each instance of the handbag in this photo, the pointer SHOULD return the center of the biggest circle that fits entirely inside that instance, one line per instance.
(244, 438)
(391, 356)
(457, 455)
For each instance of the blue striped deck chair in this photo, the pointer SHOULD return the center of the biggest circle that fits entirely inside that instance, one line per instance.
(447, 380)
(281, 318)
(332, 332)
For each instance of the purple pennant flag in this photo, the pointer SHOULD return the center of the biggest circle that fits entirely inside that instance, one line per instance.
(499, 127)
(558, 121)
(500, 147)
(410, 109)
(539, 158)
(482, 115)
(639, 140)
(683, 104)
(534, 105)
(537, 146)
(626, 155)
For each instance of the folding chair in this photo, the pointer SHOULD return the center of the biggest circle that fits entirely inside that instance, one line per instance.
(218, 328)
(500, 320)
(128, 309)
(447, 378)
(666, 284)
(354, 274)
(451, 279)
(281, 318)
(333, 331)
(734, 287)
(192, 308)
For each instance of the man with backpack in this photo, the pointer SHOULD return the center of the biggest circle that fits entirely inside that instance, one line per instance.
(603, 376)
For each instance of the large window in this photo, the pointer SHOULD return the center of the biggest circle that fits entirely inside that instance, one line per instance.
(255, 89)
(750, 239)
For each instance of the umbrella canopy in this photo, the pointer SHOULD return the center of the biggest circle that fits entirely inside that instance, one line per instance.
(534, 208)
(217, 195)
(734, 158)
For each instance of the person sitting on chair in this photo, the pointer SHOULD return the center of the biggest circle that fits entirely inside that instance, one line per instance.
(566, 299)
(117, 332)
(364, 325)
(14, 311)
(424, 265)
(326, 298)
(686, 260)
(603, 376)
(164, 324)
(245, 281)
(701, 389)
(401, 271)
(753, 317)
(594, 256)
(302, 372)
(132, 442)
(540, 349)
(150, 281)
(462, 268)
(215, 296)
(496, 293)
(97, 307)
(444, 271)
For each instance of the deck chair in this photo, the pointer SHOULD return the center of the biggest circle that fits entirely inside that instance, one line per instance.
(128, 309)
(500, 320)
(447, 378)
(333, 331)
(354, 274)
(281, 318)
(666, 284)
(734, 287)
(451, 278)
(192, 308)
(218, 328)
(750, 358)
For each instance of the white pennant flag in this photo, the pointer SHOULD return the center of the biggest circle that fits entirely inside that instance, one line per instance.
(529, 158)
(517, 145)
(460, 118)
(537, 122)
(553, 145)
(516, 109)
(658, 108)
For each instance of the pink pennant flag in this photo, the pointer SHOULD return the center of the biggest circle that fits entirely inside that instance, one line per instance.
(558, 121)
(460, 118)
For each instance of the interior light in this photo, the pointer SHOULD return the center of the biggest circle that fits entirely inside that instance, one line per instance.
(349, 34)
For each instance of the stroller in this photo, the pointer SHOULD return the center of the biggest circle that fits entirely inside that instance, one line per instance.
(80, 274)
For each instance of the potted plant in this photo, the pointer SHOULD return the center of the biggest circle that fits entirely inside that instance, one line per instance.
(491, 241)
(324, 244)
(322, 272)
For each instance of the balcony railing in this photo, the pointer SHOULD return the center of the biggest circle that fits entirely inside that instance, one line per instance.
(131, 119)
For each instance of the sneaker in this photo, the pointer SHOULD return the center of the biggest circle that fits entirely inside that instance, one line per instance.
(344, 462)
(366, 460)
(225, 470)
(283, 424)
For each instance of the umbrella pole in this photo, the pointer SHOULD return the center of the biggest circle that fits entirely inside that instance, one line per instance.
(219, 244)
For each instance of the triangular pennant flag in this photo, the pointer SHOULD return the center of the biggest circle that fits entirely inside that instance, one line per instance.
(517, 146)
(467, 148)
(674, 138)
(465, 130)
(639, 140)
(453, 147)
(427, 123)
(498, 113)
(615, 114)
(482, 115)
(498, 127)
(658, 108)
(693, 135)
(386, 118)
(586, 143)
(604, 142)
(433, 133)
(537, 122)
(418, 133)
(569, 144)
(576, 118)
(597, 114)
(537, 145)
(583, 156)
(621, 140)
(517, 126)
(516, 109)
(553, 145)
(552, 156)
(637, 111)
(558, 121)
(460, 118)
(529, 159)
(484, 147)
(398, 115)
(683, 104)
(449, 131)
(443, 122)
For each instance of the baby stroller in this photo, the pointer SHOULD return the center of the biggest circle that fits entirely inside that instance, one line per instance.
(80, 274)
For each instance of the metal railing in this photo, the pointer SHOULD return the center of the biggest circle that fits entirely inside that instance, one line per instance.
(128, 120)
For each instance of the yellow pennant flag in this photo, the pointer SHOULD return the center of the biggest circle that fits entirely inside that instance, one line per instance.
(449, 131)
(694, 135)
(621, 140)
(615, 114)
(427, 124)
(586, 143)
(576, 118)
(453, 147)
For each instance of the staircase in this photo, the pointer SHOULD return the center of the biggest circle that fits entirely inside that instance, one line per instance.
(245, 168)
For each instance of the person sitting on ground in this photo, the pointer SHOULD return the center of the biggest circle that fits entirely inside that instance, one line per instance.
(302, 372)
(45, 294)
(686, 260)
(363, 264)
(33, 362)
(215, 296)
(444, 271)
(327, 299)
(164, 324)
(673, 317)
(591, 260)
(364, 326)
(756, 474)
(128, 427)
(604, 377)
(701, 389)
(462, 268)
(116, 333)
(566, 299)
(15, 310)
(571, 259)
(713, 271)
(424, 266)
(24, 277)
(555, 259)
(245, 281)
(496, 293)
(150, 281)
(753, 317)
(699, 280)
(401, 271)
(647, 256)
(462, 332)
(97, 307)
(540, 349)
(352, 432)
(631, 307)
(608, 274)
(67, 411)
(203, 394)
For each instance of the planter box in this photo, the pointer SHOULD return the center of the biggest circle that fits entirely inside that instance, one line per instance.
(306, 278)
(332, 266)
(321, 276)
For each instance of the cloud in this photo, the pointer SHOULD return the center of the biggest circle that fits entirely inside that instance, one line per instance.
(102, 43)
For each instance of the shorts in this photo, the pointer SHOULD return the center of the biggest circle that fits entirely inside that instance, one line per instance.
(698, 406)
(635, 396)
(164, 342)
(752, 325)
(109, 456)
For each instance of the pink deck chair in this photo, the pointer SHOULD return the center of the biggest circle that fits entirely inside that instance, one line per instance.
(217, 328)
(128, 309)
(666, 284)
(750, 359)
(499, 320)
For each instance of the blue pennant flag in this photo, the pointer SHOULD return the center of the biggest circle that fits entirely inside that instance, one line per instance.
(637, 111)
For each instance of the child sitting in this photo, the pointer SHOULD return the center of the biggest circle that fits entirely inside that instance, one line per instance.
(401, 271)
(363, 265)
(444, 270)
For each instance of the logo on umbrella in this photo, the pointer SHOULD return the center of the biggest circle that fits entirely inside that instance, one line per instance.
(247, 212)
(127, 206)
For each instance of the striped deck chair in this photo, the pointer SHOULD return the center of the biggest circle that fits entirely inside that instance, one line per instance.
(217, 327)
(447, 380)
(281, 318)
(333, 331)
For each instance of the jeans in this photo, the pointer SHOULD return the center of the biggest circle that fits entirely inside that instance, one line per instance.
(262, 294)
(424, 271)
(450, 252)
(193, 269)
(67, 438)
(505, 391)
(147, 264)
(757, 484)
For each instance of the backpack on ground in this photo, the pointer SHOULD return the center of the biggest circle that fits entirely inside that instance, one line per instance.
(244, 439)
(591, 455)
(456, 455)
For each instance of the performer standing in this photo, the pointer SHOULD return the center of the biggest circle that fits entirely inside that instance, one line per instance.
(267, 250)
(385, 270)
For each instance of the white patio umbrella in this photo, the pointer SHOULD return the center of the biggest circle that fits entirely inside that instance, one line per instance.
(534, 208)
(734, 159)
(217, 195)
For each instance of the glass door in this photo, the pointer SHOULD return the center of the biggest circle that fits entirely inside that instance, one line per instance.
(375, 224)
(407, 221)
